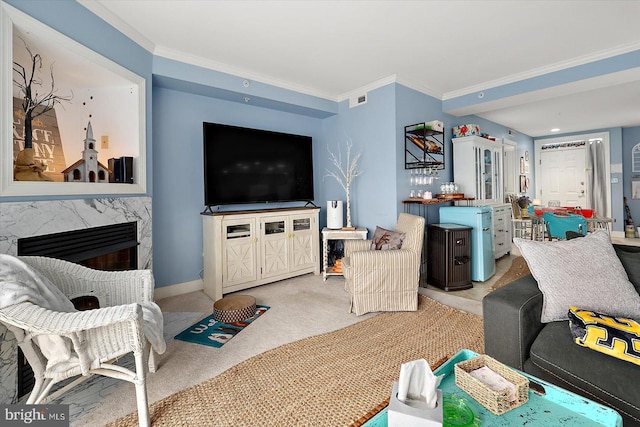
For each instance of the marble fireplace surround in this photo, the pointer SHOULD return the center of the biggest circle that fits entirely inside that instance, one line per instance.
(34, 218)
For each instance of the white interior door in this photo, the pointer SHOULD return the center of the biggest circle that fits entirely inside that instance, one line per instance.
(563, 176)
(558, 178)
(509, 167)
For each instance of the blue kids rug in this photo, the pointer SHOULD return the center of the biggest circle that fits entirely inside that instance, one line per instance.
(216, 334)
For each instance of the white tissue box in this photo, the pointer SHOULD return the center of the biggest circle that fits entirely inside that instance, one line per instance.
(400, 414)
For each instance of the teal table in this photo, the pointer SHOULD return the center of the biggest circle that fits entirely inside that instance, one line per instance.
(556, 407)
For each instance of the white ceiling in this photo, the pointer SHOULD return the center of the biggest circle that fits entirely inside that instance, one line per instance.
(443, 48)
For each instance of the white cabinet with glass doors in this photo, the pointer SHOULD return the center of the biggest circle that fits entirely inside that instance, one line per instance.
(477, 169)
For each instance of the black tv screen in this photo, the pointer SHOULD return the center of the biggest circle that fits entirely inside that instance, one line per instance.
(243, 165)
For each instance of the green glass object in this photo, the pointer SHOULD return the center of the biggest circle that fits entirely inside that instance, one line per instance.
(456, 413)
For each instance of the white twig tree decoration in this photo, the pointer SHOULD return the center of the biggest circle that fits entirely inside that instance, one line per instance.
(345, 174)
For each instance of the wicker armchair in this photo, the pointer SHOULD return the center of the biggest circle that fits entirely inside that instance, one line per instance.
(385, 280)
(97, 336)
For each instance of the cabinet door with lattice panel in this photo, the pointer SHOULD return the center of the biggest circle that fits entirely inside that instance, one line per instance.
(303, 252)
(275, 246)
(239, 256)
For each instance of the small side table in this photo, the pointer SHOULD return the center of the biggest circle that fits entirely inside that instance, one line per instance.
(337, 234)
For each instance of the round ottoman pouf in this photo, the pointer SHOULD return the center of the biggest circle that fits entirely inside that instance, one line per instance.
(234, 308)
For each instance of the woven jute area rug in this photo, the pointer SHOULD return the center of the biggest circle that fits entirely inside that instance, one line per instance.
(518, 269)
(332, 379)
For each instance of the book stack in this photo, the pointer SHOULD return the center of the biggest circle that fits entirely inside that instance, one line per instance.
(337, 267)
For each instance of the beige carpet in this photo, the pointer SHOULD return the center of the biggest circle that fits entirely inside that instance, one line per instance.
(518, 269)
(332, 379)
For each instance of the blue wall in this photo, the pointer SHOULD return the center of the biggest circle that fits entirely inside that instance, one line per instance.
(414, 107)
(188, 78)
(178, 183)
(371, 128)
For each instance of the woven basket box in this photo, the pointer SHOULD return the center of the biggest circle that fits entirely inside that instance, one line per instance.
(495, 401)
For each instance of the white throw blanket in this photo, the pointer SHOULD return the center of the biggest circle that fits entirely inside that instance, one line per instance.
(19, 282)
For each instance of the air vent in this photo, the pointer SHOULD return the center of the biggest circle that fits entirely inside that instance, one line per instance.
(358, 100)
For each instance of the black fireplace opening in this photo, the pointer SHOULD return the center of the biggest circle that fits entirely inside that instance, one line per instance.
(109, 247)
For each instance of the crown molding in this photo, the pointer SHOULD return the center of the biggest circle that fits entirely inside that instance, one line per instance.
(112, 19)
(536, 72)
(393, 78)
(116, 22)
(238, 71)
(420, 87)
(368, 87)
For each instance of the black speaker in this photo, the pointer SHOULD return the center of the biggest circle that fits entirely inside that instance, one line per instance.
(121, 170)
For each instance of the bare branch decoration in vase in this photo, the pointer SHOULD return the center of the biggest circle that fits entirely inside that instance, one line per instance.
(34, 104)
(345, 173)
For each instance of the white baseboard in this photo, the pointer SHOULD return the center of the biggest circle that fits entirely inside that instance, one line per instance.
(628, 241)
(177, 289)
(617, 234)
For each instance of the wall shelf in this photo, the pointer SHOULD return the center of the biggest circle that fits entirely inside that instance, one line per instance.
(423, 147)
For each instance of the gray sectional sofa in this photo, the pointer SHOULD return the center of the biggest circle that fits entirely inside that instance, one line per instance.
(515, 335)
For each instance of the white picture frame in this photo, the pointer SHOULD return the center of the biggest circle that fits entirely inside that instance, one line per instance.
(635, 159)
(635, 189)
(524, 184)
(14, 25)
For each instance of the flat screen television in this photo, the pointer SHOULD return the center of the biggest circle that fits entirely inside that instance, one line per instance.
(243, 165)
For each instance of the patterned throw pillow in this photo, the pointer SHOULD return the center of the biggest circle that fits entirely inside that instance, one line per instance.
(614, 336)
(385, 240)
(582, 272)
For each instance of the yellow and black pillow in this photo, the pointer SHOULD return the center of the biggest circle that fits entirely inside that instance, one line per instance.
(614, 336)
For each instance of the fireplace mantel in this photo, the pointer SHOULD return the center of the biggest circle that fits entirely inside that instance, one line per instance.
(33, 218)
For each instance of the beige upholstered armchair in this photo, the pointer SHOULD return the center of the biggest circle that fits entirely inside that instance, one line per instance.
(385, 280)
(61, 343)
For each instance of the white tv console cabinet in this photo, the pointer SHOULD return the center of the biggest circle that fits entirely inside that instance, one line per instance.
(243, 249)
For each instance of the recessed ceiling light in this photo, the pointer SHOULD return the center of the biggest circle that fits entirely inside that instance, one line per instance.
(555, 130)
